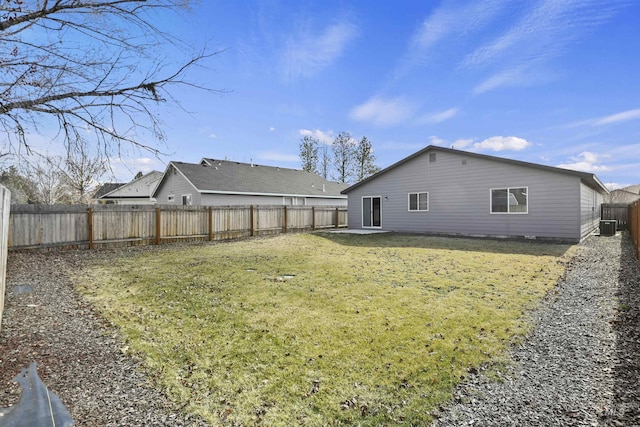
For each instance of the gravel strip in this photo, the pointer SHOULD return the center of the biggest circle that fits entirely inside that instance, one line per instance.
(580, 364)
(78, 355)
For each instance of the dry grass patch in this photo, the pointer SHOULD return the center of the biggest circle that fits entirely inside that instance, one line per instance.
(323, 329)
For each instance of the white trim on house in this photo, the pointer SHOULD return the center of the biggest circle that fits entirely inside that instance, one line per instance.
(372, 212)
(417, 193)
(509, 196)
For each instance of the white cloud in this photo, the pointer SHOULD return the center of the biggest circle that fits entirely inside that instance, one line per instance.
(510, 77)
(615, 186)
(324, 137)
(439, 117)
(279, 157)
(461, 143)
(618, 117)
(213, 136)
(125, 169)
(586, 162)
(272, 129)
(544, 31)
(539, 32)
(502, 143)
(383, 112)
(434, 140)
(448, 22)
(306, 53)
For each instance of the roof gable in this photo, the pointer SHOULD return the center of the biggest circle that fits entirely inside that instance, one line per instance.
(227, 177)
(588, 178)
(107, 188)
(141, 187)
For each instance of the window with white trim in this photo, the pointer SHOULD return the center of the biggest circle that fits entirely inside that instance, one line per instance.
(513, 200)
(171, 198)
(186, 199)
(418, 202)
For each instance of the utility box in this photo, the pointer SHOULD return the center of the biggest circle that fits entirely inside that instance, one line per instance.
(608, 227)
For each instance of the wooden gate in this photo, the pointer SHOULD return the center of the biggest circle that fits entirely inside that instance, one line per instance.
(617, 211)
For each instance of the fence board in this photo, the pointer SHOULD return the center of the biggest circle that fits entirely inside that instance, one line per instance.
(44, 226)
(617, 211)
(634, 225)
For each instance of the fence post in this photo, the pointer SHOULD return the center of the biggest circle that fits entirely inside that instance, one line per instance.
(284, 220)
(158, 226)
(313, 217)
(337, 218)
(251, 217)
(210, 223)
(90, 227)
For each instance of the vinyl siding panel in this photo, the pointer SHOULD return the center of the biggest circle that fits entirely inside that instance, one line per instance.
(459, 198)
(247, 200)
(590, 201)
(175, 184)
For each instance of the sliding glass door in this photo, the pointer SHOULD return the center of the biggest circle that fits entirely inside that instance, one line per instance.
(371, 211)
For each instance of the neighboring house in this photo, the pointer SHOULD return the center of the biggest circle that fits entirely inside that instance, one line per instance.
(633, 189)
(622, 196)
(106, 188)
(445, 191)
(226, 183)
(136, 192)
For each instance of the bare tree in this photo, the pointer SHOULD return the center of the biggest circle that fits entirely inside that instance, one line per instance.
(82, 169)
(97, 67)
(50, 180)
(364, 159)
(343, 156)
(325, 160)
(309, 154)
(23, 189)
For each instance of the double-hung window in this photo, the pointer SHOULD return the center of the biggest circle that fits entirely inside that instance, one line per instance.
(418, 202)
(510, 200)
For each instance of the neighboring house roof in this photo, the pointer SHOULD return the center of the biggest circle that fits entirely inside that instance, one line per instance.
(588, 178)
(106, 188)
(623, 196)
(227, 177)
(138, 188)
(635, 189)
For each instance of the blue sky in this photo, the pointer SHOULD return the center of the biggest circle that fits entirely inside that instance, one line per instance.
(553, 82)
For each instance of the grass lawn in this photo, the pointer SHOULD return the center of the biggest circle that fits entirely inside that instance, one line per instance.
(323, 329)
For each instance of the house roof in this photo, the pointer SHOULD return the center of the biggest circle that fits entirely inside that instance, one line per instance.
(624, 196)
(107, 188)
(588, 178)
(227, 177)
(632, 189)
(138, 188)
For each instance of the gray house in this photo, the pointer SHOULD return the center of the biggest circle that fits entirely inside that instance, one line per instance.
(444, 191)
(225, 183)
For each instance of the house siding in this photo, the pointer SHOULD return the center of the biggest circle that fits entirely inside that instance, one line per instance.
(209, 199)
(590, 201)
(175, 184)
(459, 198)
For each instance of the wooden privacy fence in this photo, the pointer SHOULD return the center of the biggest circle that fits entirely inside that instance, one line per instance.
(634, 225)
(617, 211)
(45, 226)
